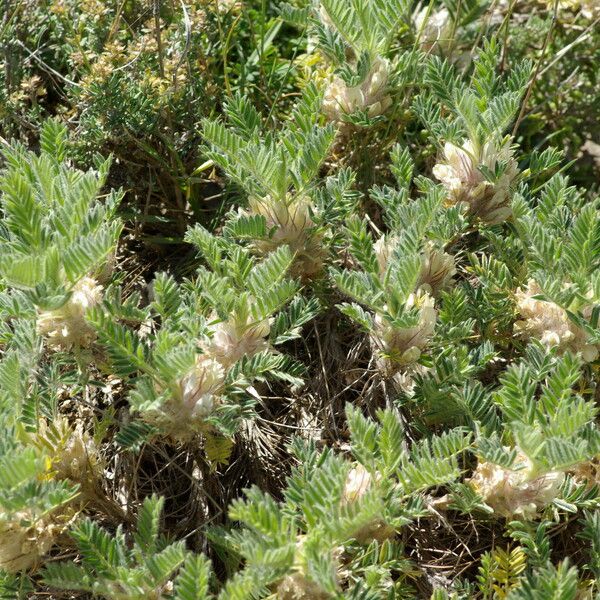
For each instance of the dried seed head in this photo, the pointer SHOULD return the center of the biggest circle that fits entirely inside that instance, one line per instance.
(515, 492)
(461, 174)
(370, 96)
(550, 324)
(66, 327)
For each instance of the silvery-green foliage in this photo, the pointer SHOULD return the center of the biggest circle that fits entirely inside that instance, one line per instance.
(221, 326)
(114, 568)
(55, 230)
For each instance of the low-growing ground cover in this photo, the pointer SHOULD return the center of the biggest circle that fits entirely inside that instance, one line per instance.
(299, 300)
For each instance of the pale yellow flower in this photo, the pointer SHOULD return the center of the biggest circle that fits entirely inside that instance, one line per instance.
(401, 347)
(199, 389)
(370, 96)
(518, 491)
(357, 484)
(460, 173)
(235, 338)
(550, 324)
(292, 226)
(66, 327)
(193, 399)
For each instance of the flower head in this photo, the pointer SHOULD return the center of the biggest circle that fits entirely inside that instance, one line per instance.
(235, 338)
(292, 225)
(198, 389)
(402, 346)
(517, 491)
(194, 397)
(370, 96)
(550, 324)
(462, 174)
(66, 327)
(358, 483)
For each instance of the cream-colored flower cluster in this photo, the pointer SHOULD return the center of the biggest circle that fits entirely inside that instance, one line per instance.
(293, 226)
(235, 338)
(358, 482)
(461, 174)
(397, 347)
(516, 492)
(370, 95)
(25, 538)
(437, 266)
(199, 392)
(66, 327)
(550, 324)
(198, 389)
(193, 398)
